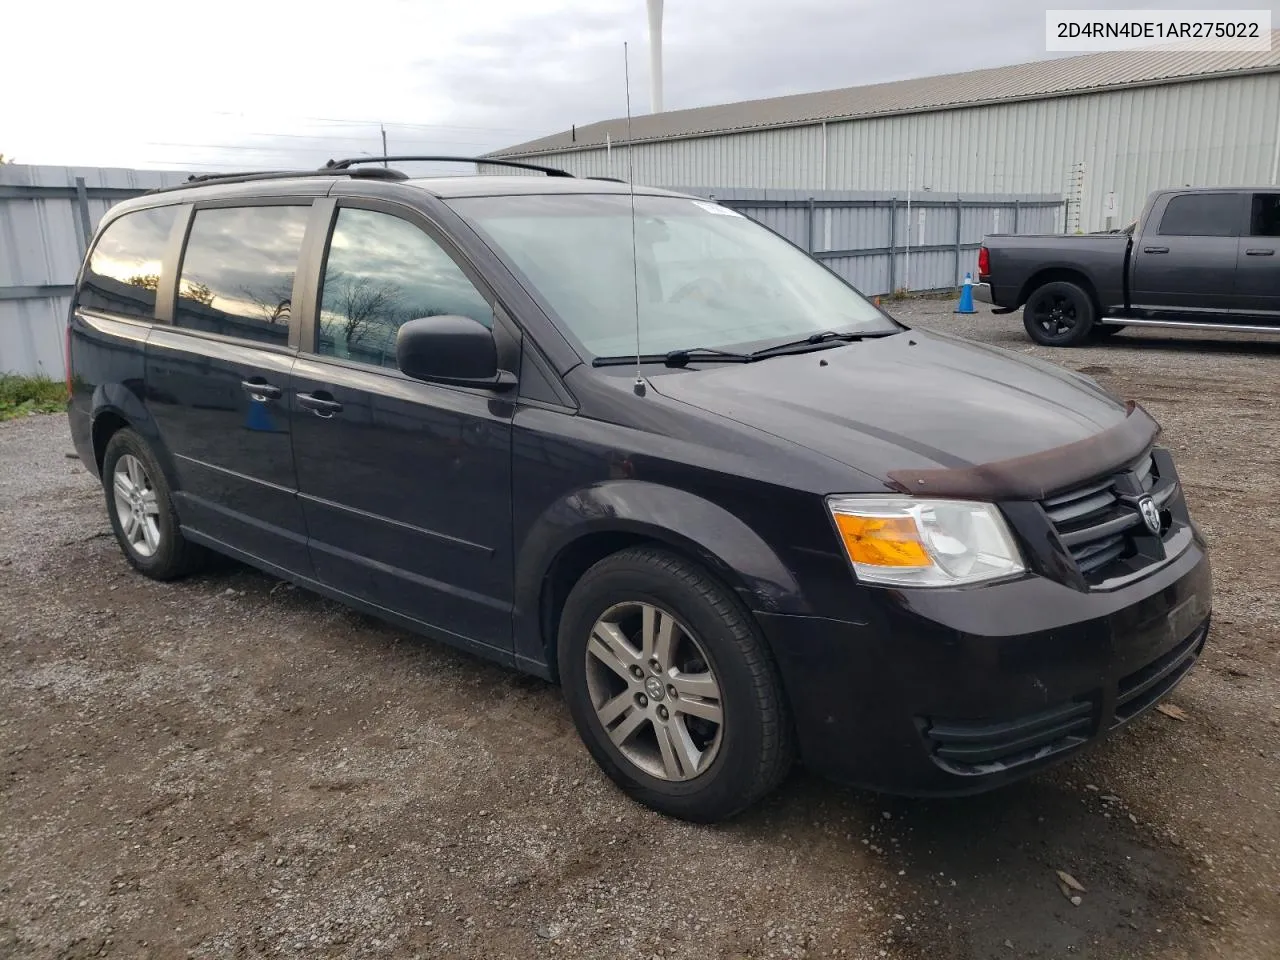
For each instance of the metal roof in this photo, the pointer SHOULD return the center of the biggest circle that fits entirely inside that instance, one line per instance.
(1026, 81)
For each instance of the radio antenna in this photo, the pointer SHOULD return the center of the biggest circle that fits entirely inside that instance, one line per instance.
(638, 386)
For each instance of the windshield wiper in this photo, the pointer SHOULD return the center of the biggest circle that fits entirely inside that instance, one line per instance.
(811, 341)
(677, 358)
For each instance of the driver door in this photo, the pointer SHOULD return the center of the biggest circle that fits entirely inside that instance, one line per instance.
(405, 485)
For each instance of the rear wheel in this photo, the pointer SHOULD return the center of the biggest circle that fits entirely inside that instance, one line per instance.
(141, 510)
(671, 687)
(1059, 314)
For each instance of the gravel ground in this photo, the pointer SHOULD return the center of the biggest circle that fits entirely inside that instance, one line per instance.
(229, 767)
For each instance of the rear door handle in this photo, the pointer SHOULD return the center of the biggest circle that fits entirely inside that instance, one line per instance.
(1259, 252)
(321, 406)
(261, 391)
(1155, 249)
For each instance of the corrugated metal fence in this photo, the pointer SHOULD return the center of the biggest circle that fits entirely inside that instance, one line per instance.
(47, 215)
(881, 243)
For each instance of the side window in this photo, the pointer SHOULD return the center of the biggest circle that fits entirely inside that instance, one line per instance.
(124, 269)
(1265, 218)
(237, 271)
(381, 272)
(1202, 215)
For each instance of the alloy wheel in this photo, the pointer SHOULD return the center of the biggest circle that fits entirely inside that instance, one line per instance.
(1055, 314)
(654, 691)
(136, 506)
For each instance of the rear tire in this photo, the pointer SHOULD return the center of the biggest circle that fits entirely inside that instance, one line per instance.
(1059, 314)
(692, 722)
(140, 507)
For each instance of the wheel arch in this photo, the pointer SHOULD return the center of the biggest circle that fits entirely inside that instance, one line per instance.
(115, 407)
(1064, 274)
(582, 529)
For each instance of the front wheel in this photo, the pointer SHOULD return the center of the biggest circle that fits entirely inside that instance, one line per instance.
(1059, 314)
(671, 687)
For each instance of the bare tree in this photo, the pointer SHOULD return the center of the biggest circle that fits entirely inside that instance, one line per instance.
(199, 292)
(361, 304)
(274, 303)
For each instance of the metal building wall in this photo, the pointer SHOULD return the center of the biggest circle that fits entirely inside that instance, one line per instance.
(45, 217)
(1127, 142)
(879, 244)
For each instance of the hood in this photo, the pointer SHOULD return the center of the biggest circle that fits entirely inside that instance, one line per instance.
(910, 401)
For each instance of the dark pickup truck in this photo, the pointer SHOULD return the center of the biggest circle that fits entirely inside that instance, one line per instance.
(1200, 258)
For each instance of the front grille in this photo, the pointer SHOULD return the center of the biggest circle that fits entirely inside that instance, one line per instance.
(1143, 688)
(1098, 523)
(970, 747)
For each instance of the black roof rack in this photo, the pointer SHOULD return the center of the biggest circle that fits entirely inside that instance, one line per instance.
(607, 179)
(492, 161)
(200, 180)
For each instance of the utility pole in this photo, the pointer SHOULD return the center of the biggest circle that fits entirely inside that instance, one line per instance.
(383, 128)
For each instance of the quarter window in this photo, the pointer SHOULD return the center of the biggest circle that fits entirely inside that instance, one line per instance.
(1202, 215)
(381, 272)
(123, 273)
(237, 272)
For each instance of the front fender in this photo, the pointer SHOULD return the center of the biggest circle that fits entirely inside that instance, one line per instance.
(690, 524)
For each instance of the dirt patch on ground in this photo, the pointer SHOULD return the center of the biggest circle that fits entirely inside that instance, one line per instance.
(229, 767)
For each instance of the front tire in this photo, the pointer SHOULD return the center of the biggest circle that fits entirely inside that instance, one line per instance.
(1059, 314)
(141, 510)
(671, 686)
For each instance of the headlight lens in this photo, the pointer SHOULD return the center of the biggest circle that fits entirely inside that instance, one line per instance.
(901, 541)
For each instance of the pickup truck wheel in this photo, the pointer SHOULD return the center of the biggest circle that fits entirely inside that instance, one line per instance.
(1058, 314)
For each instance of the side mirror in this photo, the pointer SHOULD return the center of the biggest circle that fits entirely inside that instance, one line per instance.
(455, 350)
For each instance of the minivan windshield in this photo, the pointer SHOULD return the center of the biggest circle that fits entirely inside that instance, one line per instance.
(707, 276)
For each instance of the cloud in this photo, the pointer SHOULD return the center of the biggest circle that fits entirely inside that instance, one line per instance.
(256, 85)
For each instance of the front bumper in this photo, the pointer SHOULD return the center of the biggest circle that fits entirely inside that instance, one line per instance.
(958, 691)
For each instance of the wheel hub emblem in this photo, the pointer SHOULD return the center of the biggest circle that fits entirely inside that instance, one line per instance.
(654, 688)
(1150, 514)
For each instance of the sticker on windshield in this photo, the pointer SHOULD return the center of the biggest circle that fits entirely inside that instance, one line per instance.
(716, 208)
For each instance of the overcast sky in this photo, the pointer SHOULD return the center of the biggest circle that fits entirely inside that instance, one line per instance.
(257, 83)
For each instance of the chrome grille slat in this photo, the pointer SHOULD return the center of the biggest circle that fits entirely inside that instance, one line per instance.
(1143, 470)
(1082, 507)
(1095, 522)
(1076, 494)
(1102, 555)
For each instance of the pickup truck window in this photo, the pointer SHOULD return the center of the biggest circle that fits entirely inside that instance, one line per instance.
(1202, 215)
(1265, 219)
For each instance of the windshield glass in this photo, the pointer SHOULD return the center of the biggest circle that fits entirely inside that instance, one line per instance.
(707, 276)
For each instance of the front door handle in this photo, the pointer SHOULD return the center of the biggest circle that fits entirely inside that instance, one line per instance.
(320, 406)
(261, 391)
(1259, 252)
(1155, 249)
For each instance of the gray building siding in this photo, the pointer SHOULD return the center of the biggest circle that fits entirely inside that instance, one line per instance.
(1212, 132)
(45, 221)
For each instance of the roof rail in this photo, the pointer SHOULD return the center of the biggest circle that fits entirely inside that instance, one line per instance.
(492, 161)
(203, 179)
(607, 179)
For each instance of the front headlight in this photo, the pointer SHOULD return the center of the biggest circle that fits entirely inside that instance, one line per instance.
(905, 542)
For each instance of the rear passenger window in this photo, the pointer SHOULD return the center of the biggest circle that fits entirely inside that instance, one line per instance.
(1265, 221)
(237, 272)
(1202, 215)
(381, 272)
(124, 269)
